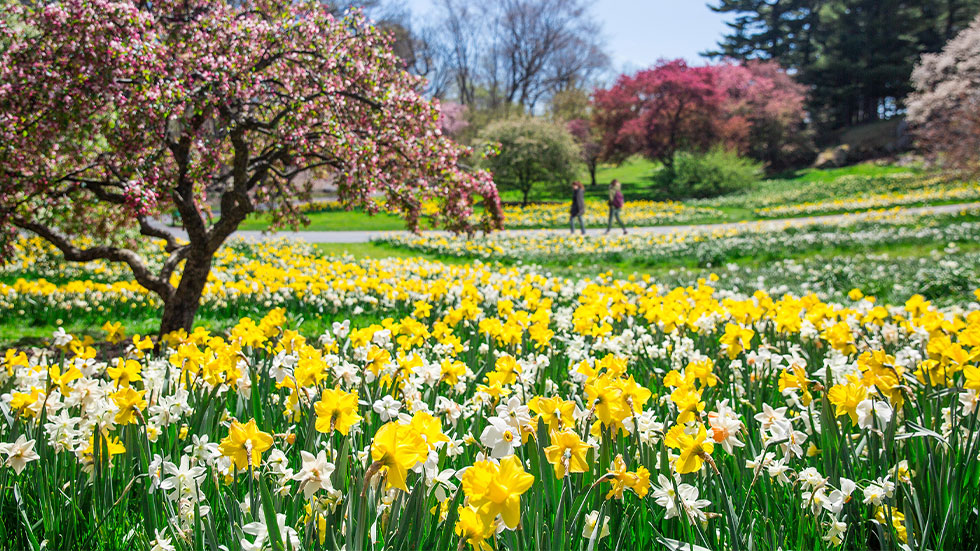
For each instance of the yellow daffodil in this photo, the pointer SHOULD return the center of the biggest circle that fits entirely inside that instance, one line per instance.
(567, 453)
(398, 448)
(496, 490)
(129, 402)
(692, 449)
(336, 410)
(245, 444)
(846, 397)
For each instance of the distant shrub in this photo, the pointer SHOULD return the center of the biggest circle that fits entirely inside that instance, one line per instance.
(710, 174)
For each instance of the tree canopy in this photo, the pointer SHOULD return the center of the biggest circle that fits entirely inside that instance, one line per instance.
(531, 150)
(115, 112)
(856, 55)
(755, 108)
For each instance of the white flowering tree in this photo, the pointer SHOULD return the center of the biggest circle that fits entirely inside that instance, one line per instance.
(944, 109)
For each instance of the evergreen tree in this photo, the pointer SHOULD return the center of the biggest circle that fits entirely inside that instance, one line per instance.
(856, 55)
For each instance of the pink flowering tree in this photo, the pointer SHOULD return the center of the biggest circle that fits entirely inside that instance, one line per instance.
(763, 115)
(452, 119)
(657, 112)
(114, 112)
(756, 109)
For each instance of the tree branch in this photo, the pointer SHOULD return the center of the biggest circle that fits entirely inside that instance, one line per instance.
(102, 252)
(152, 231)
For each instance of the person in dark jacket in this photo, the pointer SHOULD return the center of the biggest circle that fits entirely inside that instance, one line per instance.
(578, 206)
(615, 205)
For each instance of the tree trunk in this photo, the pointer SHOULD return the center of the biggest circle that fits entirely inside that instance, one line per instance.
(592, 169)
(179, 310)
(526, 191)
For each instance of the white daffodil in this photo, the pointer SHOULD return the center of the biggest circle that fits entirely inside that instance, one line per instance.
(873, 494)
(773, 417)
(183, 480)
(61, 338)
(501, 437)
(869, 409)
(315, 474)
(835, 532)
(201, 449)
(162, 543)
(778, 469)
(443, 483)
(387, 408)
(725, 425)
(969, 400)
(260, 531)
(19, 453)
(592, 525)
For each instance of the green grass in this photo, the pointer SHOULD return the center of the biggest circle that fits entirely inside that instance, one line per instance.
(637, 176)
(335, 221)
(381, 250)
(831, 174)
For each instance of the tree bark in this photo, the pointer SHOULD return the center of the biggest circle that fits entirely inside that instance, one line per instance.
(181, 308)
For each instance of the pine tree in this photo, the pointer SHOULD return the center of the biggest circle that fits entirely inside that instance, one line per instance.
(856, 55)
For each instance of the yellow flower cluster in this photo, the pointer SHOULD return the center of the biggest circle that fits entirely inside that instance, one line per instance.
(939, 193)
(501, 398)
(635, 213)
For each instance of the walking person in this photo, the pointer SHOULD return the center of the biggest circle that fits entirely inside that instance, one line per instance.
(615, 205)
(578, 206)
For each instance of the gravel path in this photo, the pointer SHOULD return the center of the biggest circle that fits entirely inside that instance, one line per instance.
(365, 236)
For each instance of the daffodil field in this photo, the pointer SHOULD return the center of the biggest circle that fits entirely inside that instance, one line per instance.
(413, 404)
(946, 193)
(707, 246)
(555, 214)
(639, 213)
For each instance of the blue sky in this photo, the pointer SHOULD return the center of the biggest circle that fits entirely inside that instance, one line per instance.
(638, 32)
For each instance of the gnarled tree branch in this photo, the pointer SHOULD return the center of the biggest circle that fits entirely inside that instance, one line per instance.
(73, 253)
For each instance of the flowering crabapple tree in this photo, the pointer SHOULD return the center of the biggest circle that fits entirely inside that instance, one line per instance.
(114, 112)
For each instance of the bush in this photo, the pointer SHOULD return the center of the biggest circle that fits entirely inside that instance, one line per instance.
(717, 172)
(532, 150)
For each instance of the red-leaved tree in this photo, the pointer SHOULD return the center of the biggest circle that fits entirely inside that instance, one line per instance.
(113, 112)
(755, 108)
(659, 111)
(763, 115)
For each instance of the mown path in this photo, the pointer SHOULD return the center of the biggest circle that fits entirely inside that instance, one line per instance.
(365, 236)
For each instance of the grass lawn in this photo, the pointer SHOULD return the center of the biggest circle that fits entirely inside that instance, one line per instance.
(831, 174)
(335, 221)
(380, 250)
(636, 175)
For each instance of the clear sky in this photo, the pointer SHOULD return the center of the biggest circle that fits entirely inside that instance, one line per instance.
(638, 32)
